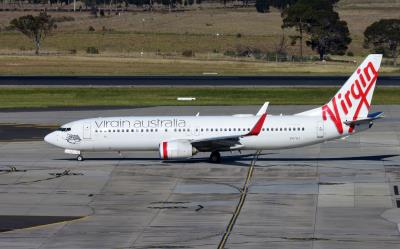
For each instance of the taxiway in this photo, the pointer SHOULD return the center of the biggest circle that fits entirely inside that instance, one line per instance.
(339, 194)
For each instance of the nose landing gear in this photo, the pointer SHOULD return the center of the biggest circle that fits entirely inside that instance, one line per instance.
(79, 158)
(215, 157)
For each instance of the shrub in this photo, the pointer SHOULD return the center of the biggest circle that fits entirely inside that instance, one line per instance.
(92, 50)
(350, 53)
(230, 53)
(239, 35)
(64, 19)
(262, 6)
(91, 29)
(188, 53)
(73, 51)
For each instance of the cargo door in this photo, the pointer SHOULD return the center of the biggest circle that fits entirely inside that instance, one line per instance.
(320, 129)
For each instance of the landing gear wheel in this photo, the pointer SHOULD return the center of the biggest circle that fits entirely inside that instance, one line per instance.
(215, 157)
(79, 158)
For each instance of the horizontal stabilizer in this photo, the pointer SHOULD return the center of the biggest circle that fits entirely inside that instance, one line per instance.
(369, 118)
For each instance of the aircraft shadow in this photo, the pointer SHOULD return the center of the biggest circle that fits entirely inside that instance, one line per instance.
(233, 159)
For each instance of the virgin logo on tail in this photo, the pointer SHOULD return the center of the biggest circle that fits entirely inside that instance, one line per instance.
(352, 99)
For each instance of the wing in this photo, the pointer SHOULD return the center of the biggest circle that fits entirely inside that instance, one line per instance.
(224, 143)
(217, 143)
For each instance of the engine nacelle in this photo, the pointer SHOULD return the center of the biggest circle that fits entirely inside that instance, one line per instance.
(176, 150)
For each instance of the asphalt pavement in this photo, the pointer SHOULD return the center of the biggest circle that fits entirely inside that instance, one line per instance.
(185, 80)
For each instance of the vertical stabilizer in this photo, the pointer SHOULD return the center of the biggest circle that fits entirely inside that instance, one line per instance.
(353, 100)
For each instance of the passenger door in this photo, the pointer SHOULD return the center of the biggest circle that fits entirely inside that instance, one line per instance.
(87, 131)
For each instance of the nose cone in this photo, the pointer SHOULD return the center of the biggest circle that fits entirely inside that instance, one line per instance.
(51, 138)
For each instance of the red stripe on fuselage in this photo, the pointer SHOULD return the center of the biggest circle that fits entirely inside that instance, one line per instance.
(165, 151)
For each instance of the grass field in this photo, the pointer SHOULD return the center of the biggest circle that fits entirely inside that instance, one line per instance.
(195, 30)
(96, 65)
(80, 97)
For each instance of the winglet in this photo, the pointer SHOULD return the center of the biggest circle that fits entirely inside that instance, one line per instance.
(258, 126)
(263, 109)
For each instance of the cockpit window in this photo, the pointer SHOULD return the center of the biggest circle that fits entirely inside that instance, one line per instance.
(63, 129)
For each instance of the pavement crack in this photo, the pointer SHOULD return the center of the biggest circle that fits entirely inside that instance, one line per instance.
(242, 199)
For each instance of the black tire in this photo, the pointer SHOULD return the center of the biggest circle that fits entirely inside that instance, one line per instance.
(215, 157)
(79, 158)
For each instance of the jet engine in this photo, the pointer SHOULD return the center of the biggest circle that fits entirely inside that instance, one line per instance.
(176, 150)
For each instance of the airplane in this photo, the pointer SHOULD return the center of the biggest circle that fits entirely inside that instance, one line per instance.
(181, 137)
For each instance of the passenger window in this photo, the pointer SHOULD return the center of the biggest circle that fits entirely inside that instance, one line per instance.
(211, 129)
(303, 128)
(285, 129)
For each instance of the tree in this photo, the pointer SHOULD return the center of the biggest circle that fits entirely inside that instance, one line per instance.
(327, 33)
(298, 16)
(35, 27)
(282, 4)
(262, 6)
(384, 36)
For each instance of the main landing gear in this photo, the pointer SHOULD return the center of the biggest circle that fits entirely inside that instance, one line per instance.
(215, 157)
(80, 158)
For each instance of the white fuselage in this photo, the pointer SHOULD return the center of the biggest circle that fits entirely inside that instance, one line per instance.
(146, 133)
(177, 137)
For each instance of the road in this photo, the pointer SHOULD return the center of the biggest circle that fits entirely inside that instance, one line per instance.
(185, 80)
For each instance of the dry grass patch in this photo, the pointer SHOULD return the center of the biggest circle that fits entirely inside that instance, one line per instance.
(101, 65)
